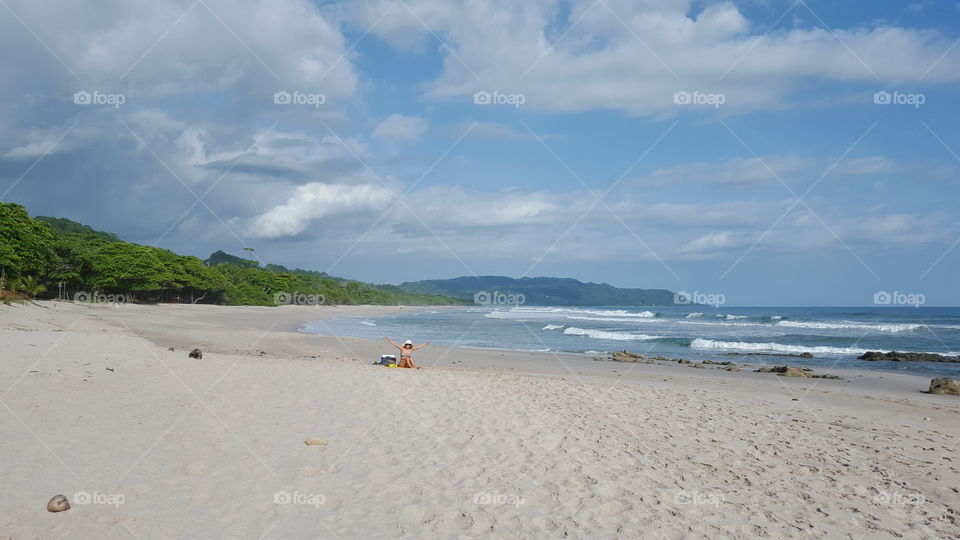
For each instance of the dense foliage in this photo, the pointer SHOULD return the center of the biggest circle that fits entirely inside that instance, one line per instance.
(47, 257)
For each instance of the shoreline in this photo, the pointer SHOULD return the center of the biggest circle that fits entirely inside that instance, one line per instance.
(482, 442)
(288, 320)
(749, 361)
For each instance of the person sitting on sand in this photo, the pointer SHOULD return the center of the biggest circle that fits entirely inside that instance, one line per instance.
(406, 352)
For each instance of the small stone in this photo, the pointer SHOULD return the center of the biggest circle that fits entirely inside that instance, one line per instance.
(170, 349)
(315, 441)
(196, 353)
(58, 503)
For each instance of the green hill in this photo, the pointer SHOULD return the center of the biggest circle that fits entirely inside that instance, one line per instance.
(542, 291)
(68, 226)
(39, 255)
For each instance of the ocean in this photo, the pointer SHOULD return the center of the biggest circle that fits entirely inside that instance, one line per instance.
(835, 336)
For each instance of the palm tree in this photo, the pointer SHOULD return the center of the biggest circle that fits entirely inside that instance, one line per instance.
(29, 285)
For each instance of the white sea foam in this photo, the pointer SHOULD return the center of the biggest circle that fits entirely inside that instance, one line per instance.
(524, 312)
(695, 315)
(730, 317)
(700, 343)
(553, 327)
(603, 334)
(368, 323)
(845, 325)
(642, 319)
(776, 317)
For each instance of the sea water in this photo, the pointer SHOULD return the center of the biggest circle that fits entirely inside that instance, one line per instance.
(834, 336)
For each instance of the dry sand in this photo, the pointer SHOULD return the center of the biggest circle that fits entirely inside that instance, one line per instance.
(147, 443)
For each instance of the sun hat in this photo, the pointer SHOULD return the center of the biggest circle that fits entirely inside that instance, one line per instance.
(408, 342)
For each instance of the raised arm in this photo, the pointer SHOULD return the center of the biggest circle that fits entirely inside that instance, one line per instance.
(390, 341)
(422, 345)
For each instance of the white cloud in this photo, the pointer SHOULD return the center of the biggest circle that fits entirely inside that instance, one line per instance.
(32, 149)
(315, 201)
(399, 128)
(594, 60)
(454, 206)
(754, 172)
(735, 171)
(708, 242)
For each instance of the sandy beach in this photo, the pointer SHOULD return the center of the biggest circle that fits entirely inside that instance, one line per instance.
(148, 443)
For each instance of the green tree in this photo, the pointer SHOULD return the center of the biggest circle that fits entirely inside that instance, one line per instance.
(26, 245)
(127, 268)
(29, 285)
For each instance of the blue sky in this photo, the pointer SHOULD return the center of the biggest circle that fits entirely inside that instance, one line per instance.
(788, 180)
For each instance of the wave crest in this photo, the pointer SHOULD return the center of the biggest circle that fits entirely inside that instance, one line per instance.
(603, 334)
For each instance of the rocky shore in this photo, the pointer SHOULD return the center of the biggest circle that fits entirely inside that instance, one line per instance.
(894, 356)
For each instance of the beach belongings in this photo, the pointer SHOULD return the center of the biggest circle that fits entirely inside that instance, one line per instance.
(196, 353)
(387, 359)
(945, 386)
(58, 503)
(315, 441)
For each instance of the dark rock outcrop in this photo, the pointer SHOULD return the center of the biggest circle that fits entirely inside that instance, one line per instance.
(196, 353)
(627, 356)
(894, 356)
(792, 371)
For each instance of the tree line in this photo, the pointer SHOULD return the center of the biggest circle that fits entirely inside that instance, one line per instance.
(46, 257)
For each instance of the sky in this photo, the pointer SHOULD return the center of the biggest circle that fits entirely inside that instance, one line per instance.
(774, 152)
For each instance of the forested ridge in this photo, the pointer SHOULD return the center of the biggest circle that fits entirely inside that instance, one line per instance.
(47, 257)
